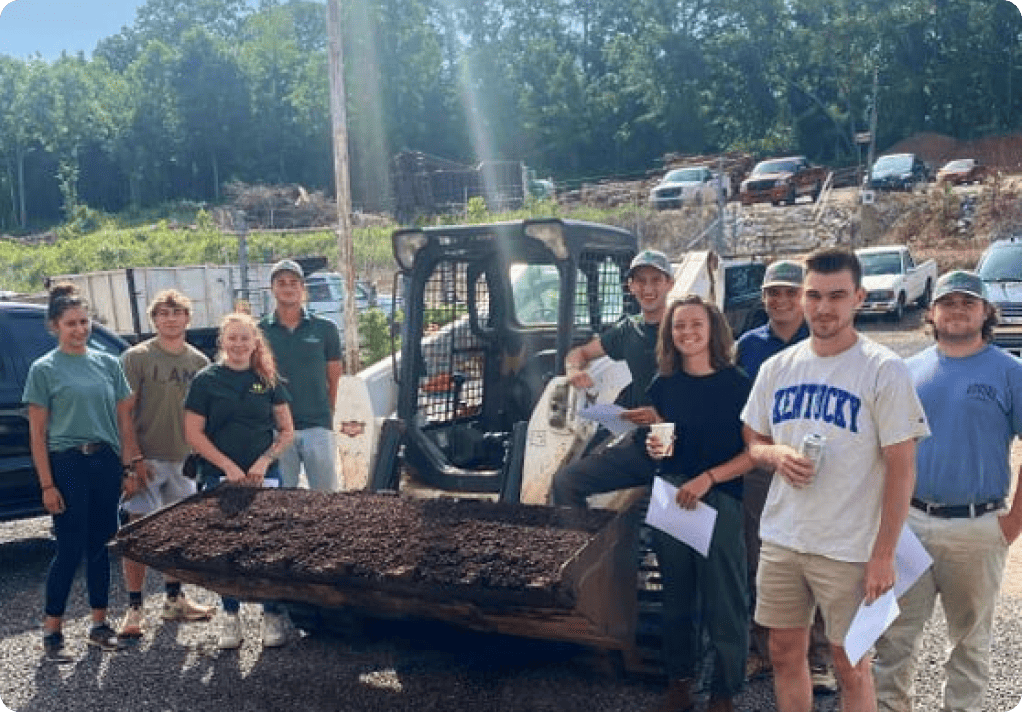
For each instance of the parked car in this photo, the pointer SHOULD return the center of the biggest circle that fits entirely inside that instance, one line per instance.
(898, 171)
(962, 171)
(691, 185)
(326, 294)
(24, 333)
(1000, 268)
(783, 180)
(893, 280)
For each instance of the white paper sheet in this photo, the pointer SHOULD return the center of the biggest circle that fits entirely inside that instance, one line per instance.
(609, 379)
(609, 416)
(910, 561)
(869, 624)
(691, 526)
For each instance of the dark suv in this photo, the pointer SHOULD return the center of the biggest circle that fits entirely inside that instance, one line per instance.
(25, 337)
(1000, 268)
(898, 171)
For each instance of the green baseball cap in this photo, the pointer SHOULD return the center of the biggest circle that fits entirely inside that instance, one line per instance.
(651, 258)
(961, 282)
(783, 273)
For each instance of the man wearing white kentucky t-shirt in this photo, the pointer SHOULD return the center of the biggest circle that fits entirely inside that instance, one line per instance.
(830, 524)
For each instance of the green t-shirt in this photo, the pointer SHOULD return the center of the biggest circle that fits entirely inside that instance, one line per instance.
(302, 356)
(160, 382)
(238, 408)
(80, 393)
(633, 341)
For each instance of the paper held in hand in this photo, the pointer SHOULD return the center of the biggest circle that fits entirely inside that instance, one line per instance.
(910, 562)
(609, 416)
(691, 526)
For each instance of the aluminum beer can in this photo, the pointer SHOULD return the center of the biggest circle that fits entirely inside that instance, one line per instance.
(812, 448)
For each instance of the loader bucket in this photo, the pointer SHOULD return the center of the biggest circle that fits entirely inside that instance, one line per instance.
(532, 571)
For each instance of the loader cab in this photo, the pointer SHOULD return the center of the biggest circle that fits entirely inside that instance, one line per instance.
(491, 311)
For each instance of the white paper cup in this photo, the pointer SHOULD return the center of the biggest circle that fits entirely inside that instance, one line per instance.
(664, 432)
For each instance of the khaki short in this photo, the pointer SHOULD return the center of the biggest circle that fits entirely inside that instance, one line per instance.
(790, 585)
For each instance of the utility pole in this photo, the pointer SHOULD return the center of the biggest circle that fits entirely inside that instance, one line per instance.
(241, 227)
(873, 121)
(721, 207)
(342, 184)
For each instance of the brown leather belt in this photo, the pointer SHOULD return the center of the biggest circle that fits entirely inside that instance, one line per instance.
(958, 511)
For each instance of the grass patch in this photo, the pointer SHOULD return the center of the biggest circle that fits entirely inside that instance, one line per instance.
(93, 241)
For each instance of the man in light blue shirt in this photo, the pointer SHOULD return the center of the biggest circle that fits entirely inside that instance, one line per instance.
(972, 394)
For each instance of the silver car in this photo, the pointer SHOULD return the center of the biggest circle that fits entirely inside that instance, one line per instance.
(692, 185)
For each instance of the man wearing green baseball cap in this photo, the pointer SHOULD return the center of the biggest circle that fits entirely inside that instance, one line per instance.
(972, 394)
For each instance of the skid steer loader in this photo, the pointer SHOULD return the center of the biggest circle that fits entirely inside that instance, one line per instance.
(476, 406)
(473, 406)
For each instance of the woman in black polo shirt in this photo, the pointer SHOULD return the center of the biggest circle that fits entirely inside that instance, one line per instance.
(237, 418)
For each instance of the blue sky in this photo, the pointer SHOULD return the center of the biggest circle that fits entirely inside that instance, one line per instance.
(49, 26)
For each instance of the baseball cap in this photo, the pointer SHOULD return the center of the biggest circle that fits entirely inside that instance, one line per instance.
(651, 258)
(961, 282)
(286, 266)
(783, 273)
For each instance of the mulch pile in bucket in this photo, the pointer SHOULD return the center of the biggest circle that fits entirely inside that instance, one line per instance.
(323, 538)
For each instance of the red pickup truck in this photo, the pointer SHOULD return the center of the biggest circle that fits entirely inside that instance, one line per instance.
(783, 180)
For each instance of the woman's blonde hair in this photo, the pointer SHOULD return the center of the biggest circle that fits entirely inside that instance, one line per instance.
(722, 342)
(262, 361)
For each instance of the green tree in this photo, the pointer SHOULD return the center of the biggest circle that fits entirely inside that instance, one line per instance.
(77, 118)
(150, 141)
(213, 105)
(17, 131)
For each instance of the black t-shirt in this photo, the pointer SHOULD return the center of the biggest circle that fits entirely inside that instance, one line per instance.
(238, 408)
(633, 341)
(706, 411)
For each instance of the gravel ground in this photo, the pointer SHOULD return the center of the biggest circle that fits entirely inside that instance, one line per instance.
(381, 666)
(385, 666)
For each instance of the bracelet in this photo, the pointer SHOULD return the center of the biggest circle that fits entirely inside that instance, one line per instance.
(709, 473)
(48, 487)
(137, 458)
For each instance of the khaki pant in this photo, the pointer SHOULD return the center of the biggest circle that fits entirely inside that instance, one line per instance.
(757, 485)
(968, 563)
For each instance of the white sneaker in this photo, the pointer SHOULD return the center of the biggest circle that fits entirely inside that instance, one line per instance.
(274, 630)
(230, 632)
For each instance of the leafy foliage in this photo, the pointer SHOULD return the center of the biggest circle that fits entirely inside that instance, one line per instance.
(24, 267)
(196, 93)
(374, 332)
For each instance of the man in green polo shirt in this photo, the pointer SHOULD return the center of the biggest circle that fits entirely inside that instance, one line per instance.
(308, 353)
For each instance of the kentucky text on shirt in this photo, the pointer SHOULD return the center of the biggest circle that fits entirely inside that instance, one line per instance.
(817, 401)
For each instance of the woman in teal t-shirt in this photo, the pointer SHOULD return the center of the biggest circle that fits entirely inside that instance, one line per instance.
(79, 414)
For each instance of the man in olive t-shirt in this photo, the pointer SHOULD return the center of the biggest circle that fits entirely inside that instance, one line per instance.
(159, 372)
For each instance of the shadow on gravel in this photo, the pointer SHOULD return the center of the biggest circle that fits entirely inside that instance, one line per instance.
(26, 556)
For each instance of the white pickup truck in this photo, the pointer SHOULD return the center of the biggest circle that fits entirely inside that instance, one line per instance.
(892, 280)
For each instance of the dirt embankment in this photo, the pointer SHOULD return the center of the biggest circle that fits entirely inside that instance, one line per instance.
(1001, 153)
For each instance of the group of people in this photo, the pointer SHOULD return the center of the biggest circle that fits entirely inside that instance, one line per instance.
(817, 447)
(112, 435)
